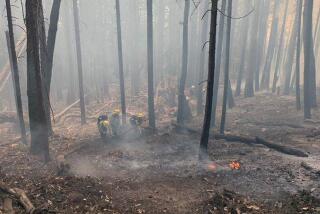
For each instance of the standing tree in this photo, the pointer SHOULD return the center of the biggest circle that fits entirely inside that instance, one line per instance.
(309, 65)
(120, 55)
(37, 114)
(218, 64)
(79, 60)
(204, 37)
(226, 72)
(181, 96)
(298, 99)
(152, 121)
(211, 70)
(276, 73)
(15, 72)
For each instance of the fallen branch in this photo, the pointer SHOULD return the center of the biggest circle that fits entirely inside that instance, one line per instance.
(249, 141)
(20, 195)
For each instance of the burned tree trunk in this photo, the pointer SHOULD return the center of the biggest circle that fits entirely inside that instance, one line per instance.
(120, 58)
(298, 99)
(51, 40)
(15, 72)
(152, 122)
(44, 66)
(37, 114)
(226, 72)
(309, 65)
(204, 36)
(79, 60)
(181, 96)
(211, 76)
(218, 64)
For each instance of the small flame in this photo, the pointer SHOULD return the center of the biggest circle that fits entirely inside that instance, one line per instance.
(235, 165)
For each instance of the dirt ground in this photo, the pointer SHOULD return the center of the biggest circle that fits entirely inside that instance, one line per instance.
(161, 173)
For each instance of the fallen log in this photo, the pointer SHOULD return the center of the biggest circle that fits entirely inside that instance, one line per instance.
(249, 141)
(20, 195)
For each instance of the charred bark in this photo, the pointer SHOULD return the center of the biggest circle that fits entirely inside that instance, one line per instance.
(37, 114)
(211, 76)
(226, 90)
(15, 72)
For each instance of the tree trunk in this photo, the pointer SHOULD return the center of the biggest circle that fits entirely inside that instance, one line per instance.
(309, 70)
(37, 114)
(152, 121)
(79, 60)
(290, 56)
(211, 76)
(120, 59)
(244, 41)
(226, 72)
(15, 72)
(44, 66)
(251, 70)
(265, 81)
(204, 37)
(218, 64)
(298, 99)
(280, 50)
(181, 96)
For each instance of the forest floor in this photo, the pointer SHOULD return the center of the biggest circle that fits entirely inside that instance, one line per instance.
(160, 173)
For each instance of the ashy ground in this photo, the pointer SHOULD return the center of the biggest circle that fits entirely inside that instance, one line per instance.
(161, 174)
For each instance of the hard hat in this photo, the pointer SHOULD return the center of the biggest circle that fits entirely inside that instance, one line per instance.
(116, 112)
(140, 114)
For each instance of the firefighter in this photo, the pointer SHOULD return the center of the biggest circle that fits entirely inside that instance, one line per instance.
(115, 122)
(103, 126)
(136, 121)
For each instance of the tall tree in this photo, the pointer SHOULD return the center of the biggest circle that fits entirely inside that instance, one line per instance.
(226, 71)
(298, 99)
(37, 115)
(265, 80)
(120, 60)
(309, 65)
(280, 49)
(244, 42)
(290, 55)
(181, 96)
(152, 121)
(204, 37)
(15, 72)
(218, 63)
(51, 40)
(79, 60)
(251, 70)
(211, 76)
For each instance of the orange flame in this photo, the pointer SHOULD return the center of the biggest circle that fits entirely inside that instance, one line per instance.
(235, 165)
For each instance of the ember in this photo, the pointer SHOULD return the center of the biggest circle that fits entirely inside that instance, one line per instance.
(235, 165)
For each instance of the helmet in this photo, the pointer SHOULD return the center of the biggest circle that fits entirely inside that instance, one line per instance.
(116, 112)
(140, 115)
